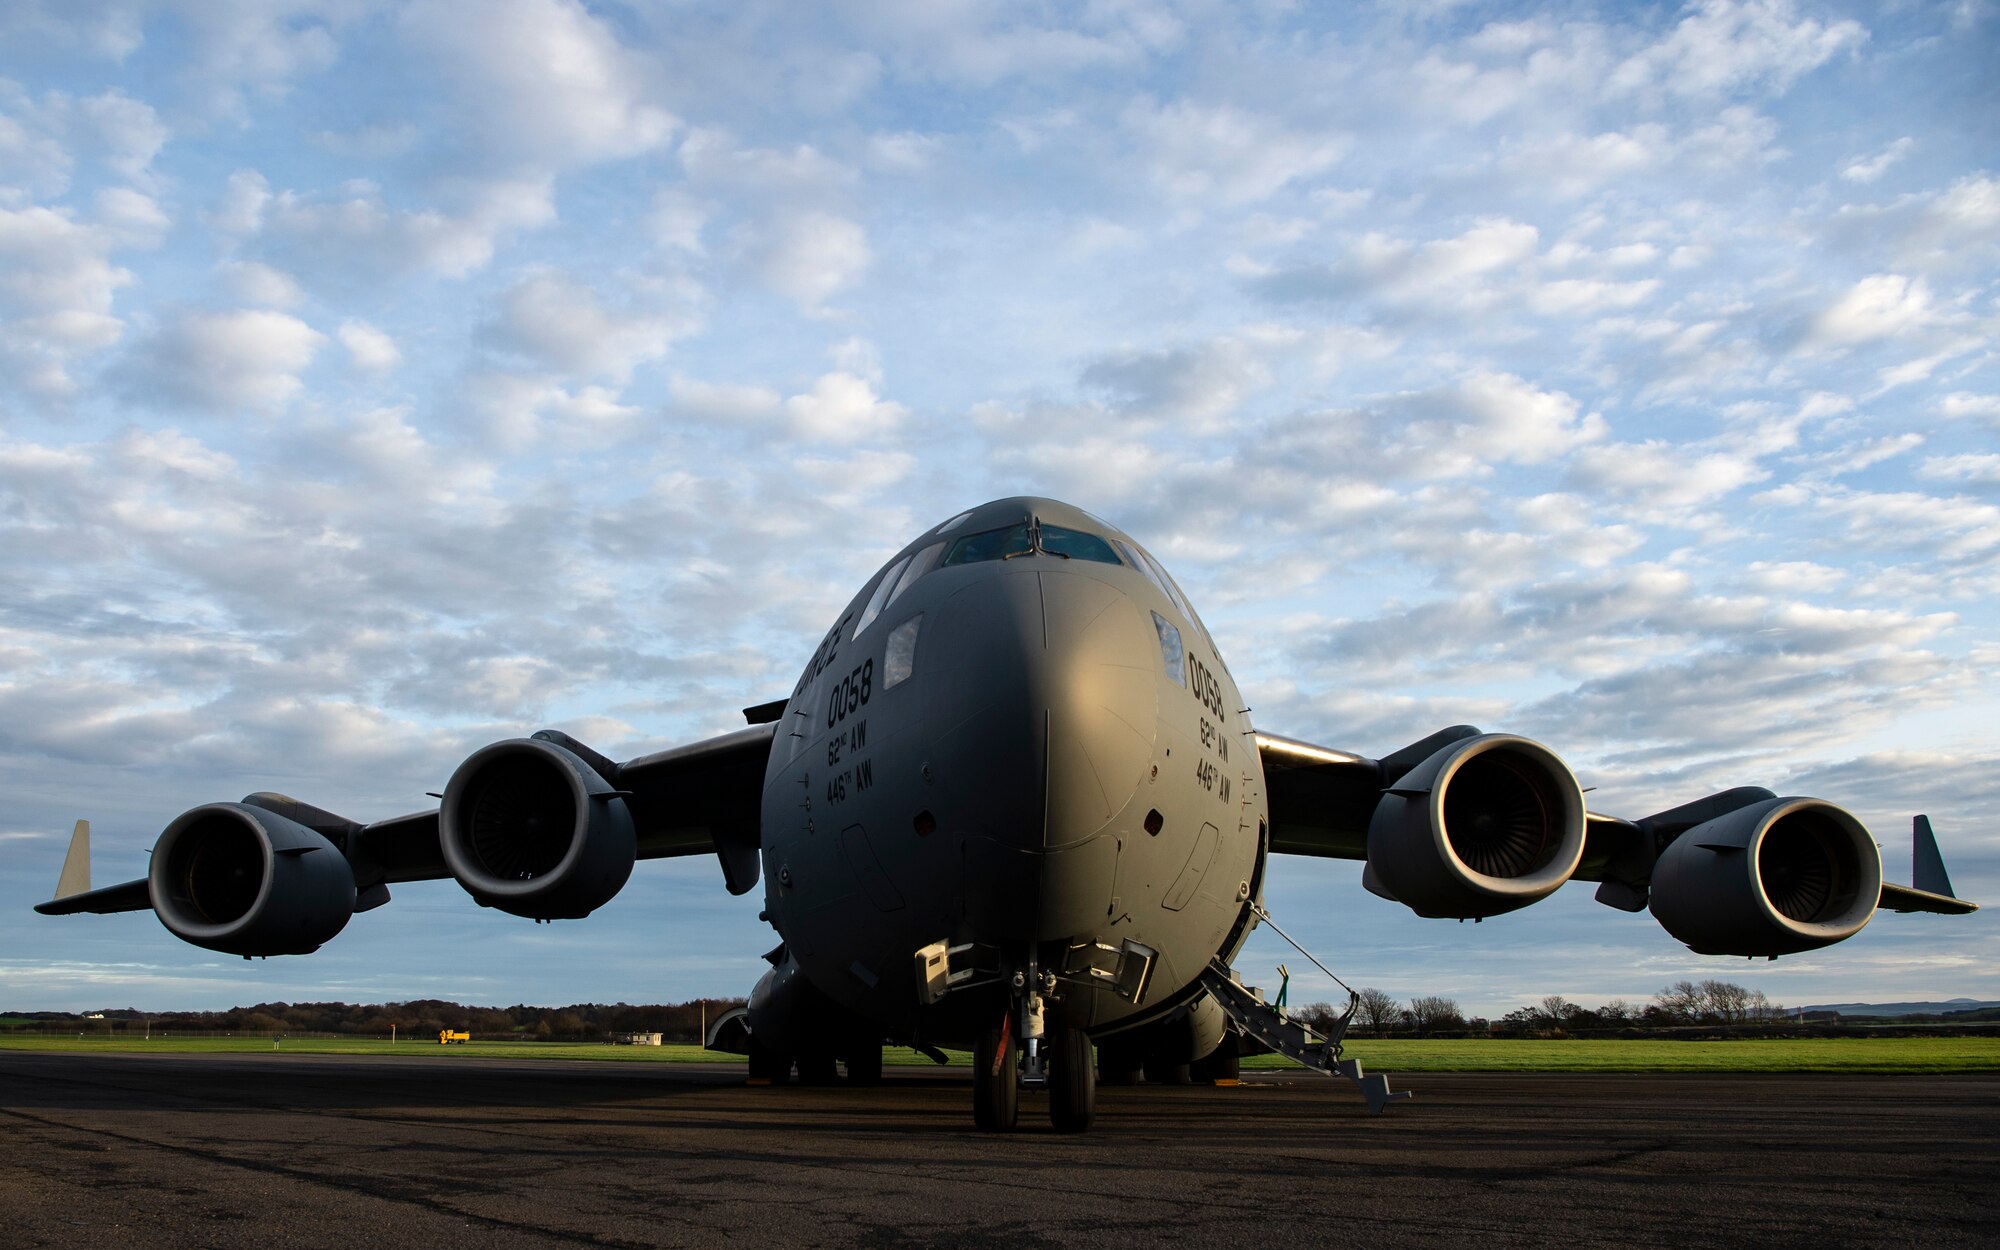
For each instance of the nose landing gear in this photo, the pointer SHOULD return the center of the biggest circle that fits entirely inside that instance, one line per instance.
(1059, 1059)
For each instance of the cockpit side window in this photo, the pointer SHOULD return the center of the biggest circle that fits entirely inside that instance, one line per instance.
(1154, 574)
(1173, 590)
(1161, 580)
(880, 599)
(921, 563)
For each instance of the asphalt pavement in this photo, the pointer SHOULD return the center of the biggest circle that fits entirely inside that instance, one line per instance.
(262, 1151)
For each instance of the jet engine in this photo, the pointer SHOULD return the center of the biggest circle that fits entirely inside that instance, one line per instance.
(786, 1009)
(530, 828)
(238, 879)
(1165, 1048)
(1482, 826)
(1773, 878)
(791, 1020)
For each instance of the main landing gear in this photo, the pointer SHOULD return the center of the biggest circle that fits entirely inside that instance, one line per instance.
(862, 1055)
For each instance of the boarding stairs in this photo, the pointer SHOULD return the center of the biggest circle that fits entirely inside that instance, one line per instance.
(1293, 1039)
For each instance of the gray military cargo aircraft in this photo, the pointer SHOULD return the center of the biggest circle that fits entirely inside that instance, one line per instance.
(1015, 802)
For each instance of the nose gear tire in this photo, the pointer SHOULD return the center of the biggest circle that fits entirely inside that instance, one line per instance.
(996, 1094)
(1072, 1083)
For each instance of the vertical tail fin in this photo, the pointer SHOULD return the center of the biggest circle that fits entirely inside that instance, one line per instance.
(75, 877)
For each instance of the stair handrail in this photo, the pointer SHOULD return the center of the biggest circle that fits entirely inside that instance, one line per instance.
(1339, 1030)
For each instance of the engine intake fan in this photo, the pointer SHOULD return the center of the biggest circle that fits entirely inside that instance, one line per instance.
(530, 828)
(1772, 878)
(238, 879)
(1481, 827)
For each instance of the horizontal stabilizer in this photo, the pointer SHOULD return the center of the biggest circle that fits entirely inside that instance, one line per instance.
(1903, 898)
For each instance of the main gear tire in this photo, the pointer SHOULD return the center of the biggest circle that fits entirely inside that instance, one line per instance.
(1158, 1073)
(1117, 1065)
(1223, 1066)
(864, 1064)
(767, 1067)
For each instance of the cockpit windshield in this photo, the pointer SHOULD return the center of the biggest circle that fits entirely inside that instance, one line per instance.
(989, 545)
(1077, 545)
(1028, 540)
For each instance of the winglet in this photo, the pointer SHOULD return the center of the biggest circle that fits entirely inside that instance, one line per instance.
(1929, 889)
(1926, 864)
(75, 877)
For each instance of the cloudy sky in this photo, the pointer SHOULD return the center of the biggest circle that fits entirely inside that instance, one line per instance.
(378, 380)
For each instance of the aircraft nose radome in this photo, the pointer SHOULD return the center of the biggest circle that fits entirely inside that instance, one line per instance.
(1043, 740)
(1100, 685)
(1053, 717)
(989, 741)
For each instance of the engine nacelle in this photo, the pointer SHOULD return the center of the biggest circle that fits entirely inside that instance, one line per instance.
(790, 1016)
(245, 881)
(1483, 826)
(1773, 878)
(1191, 1032)
(784, 1008)
(531, 829)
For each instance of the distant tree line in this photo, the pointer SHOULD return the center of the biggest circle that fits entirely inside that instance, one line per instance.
(418, 1019)
(1377, 1014)
(1684, 1003)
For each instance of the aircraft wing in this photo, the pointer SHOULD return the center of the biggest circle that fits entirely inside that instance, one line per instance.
(693, 799)
(705, 796)
(1322, 801)
(1320, 798)
(1503, 838)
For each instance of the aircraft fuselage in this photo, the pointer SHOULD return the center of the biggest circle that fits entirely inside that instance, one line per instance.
(1017, 740)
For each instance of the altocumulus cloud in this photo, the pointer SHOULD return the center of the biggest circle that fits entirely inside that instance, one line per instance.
(224, 360)
(378, 380)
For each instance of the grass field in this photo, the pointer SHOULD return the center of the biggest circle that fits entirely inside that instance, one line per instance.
(1818, 1054)
(1858, 1055)
(369, 1046)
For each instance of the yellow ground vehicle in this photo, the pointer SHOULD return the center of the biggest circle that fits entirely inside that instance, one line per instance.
(446, 1037)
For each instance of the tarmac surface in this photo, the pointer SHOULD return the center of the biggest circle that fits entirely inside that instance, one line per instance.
(441, 1153)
